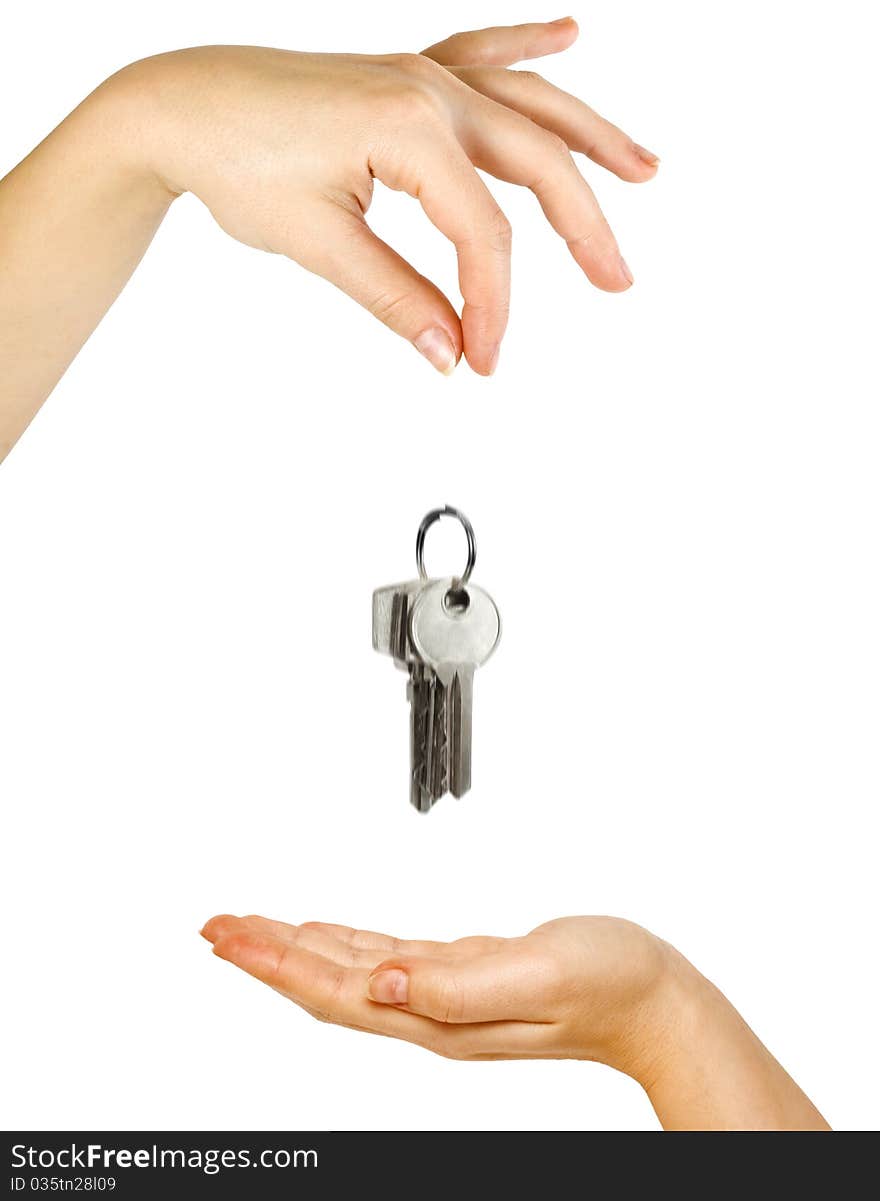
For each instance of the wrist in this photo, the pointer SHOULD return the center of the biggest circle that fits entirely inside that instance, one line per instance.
(126, 114)
(659, 1027)
(702, 1067)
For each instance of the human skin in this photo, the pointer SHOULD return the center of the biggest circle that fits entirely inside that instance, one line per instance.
(594, 988)
(283, 148)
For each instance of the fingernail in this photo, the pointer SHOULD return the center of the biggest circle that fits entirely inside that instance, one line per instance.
(493, 359)
(389, 987)
(437, 348)
(561, 20)
(625, 271)
(647, 156)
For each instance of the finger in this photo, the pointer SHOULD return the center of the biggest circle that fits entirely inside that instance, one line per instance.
(331, 992)
(434, 168)
(576, 123)
(343, 944)
(312, 938)
(487, 988)
(370, 940)
(511, 147)
(366, 948)
(504, 44)
(309, 936)
(219, 925)
(491, 1040)
(349, 945)
(311, 980)
(280, 929)
(347, 253)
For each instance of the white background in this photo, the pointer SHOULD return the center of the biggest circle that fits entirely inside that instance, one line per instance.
(676, 496)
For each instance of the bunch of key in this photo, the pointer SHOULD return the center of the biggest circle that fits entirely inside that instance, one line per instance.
(439, 632)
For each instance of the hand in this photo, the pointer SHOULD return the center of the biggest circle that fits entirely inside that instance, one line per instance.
(283, 148)
(571, 989)
(577, 988)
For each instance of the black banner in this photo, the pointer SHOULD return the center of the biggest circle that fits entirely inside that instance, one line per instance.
(317, 1164)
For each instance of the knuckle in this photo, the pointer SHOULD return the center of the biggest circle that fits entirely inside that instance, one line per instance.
(530, 78)
(598, 239)
(386, 307)
(276, 972)
(556, 147)
(413, 64)
(418, 70)
(450, 1002)
(478, 48)
(474, 76)
(414, 87)
(499, 231)
(335, 987)
(231, 945)
(413, 101)
(552, 161)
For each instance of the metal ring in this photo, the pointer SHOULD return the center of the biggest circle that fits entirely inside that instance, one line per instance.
(427, 521)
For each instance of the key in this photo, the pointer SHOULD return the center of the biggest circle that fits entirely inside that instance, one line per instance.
(440, 686)
(429, 752)
(391, 610)
(454, 630)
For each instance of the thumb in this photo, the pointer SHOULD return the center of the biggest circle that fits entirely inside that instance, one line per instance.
(348, 254)
(484, 989)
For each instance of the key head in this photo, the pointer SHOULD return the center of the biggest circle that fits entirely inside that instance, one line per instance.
(453, 627)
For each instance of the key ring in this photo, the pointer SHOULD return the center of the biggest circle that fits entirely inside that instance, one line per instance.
(427, 521)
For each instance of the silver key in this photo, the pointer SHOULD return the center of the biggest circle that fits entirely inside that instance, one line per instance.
(440, 667)
(391, 608)
(391, 612)
(454, 630)
(429, 737)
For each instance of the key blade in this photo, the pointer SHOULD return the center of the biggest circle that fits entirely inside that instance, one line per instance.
(454, 640)
(427, 752)
(438, 776)
(460, 720)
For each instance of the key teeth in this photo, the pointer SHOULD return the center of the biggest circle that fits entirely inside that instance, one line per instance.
(441, 742)
(428, 738)
(454, 693)
(419, 699)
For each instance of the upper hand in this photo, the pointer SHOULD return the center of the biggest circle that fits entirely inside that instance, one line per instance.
(283, 148)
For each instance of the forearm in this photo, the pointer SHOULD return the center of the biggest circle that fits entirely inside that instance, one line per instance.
(76, 216)
(706, 1070)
